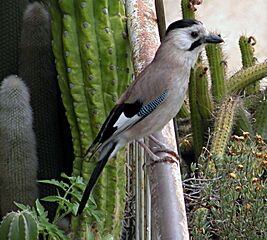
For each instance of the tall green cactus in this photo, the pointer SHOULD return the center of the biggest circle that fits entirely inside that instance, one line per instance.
(19, 226)
(196, 120)
(93, 62)
(38, 71)
(217, 70)
(18, 158)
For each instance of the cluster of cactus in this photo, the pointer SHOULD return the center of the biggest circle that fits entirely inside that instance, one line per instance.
(230, 105)
(222, 107)
(28, 53)
(93, 62)
(19, 225)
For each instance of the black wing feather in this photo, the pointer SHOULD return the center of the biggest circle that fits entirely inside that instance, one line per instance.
(107, 129)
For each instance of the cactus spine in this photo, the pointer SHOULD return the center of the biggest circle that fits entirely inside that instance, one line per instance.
(18, 158)
(94, 67)
(19, 225)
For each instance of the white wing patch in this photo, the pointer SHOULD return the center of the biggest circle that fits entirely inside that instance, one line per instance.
(124, 122)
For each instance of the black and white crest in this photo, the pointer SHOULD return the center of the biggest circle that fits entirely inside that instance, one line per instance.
(184, 23)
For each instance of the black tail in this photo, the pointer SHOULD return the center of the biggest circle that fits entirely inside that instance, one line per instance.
(95, 175)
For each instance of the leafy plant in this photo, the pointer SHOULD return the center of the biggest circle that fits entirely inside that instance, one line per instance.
(67, 199)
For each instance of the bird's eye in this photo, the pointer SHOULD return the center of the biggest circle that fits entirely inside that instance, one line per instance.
(194, 34)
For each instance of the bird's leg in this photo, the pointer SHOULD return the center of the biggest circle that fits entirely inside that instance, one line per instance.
(153, 156)
(156, 158)
(163, 148)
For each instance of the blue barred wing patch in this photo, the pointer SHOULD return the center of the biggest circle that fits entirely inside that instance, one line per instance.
(151, 106)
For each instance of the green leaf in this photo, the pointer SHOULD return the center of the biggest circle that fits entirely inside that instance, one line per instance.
(54, 182)
(22, 206)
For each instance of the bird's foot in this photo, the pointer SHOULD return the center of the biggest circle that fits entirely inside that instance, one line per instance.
(165, 159)
(152, 155)
(166, 150)
(156, 159)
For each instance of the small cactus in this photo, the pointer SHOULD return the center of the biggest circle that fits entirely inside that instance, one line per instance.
(19, 226)
(18, 157)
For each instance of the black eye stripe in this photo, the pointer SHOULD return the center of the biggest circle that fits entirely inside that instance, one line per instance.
(195, 44)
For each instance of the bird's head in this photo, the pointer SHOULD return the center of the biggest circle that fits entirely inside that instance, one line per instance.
(190, 35)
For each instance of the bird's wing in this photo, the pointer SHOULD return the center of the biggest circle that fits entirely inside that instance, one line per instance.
(122, 117)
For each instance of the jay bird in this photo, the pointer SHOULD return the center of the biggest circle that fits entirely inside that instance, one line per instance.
(154, 98)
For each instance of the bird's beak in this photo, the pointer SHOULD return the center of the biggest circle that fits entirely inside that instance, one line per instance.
(213, 38)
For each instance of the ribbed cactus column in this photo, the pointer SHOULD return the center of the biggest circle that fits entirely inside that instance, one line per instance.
(18, 158)
(93, 62)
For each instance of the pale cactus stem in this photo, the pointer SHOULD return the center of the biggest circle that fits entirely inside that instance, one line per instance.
(18, 155)
(223, 127)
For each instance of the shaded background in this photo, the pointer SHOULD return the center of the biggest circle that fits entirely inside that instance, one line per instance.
(231, 18)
